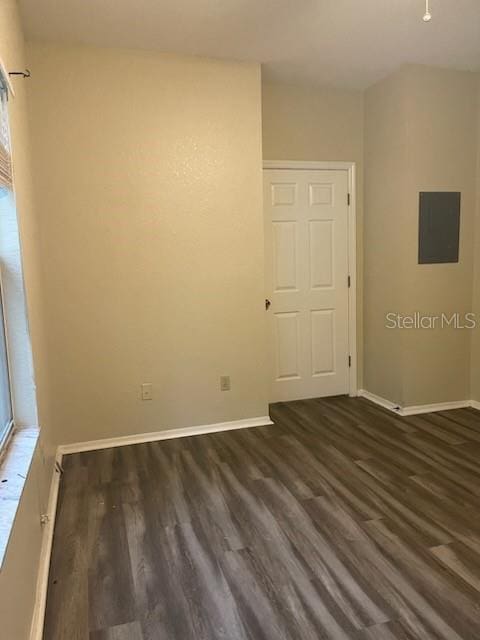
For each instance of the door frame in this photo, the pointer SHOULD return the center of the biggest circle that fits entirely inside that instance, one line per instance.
(350, 168)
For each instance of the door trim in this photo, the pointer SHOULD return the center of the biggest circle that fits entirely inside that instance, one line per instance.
(350, 168)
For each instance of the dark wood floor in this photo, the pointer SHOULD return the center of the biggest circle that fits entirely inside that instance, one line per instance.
(341, 521)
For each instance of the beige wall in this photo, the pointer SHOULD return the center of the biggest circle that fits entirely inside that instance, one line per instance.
(442, 146)
(475, 350)
(19, 570)
(424, 121)
(148, 177)
(302, 123)
(385, 187)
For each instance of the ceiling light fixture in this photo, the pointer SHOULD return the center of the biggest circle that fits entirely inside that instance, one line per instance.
(428, 16)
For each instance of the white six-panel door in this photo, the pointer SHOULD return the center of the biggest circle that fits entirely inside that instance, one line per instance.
(306, 216)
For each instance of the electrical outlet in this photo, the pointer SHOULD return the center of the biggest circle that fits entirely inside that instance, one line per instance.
(224, 383)
(147, 391)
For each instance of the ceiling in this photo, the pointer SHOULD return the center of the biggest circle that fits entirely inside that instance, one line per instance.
(343, 43)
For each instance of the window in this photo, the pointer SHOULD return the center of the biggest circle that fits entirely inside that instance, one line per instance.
(17, 382)
(5, 192)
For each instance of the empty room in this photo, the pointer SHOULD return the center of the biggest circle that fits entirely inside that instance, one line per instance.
(240, 320)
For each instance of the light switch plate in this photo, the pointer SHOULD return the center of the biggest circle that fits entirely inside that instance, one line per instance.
(147, 391)
(224, 383)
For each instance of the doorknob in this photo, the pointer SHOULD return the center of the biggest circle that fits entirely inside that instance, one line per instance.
(267, 304)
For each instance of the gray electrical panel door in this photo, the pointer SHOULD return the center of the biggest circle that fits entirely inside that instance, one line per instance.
(439, 227)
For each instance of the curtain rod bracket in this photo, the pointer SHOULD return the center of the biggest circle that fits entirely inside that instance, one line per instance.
(24, 74)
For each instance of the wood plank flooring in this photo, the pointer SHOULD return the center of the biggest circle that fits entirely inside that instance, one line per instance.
(341, 521)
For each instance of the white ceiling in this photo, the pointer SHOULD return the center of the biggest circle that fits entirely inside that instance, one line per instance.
(344, 43)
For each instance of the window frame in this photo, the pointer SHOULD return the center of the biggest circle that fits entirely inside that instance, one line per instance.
(6, 431)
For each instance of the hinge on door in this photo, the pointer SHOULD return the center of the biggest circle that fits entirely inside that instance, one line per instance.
(348, 199)
(349, 282)
(349, 361)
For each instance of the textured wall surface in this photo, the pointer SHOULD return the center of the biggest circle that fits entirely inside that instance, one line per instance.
(149, 187)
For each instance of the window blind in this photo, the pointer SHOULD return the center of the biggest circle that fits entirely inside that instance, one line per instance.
(6, 180)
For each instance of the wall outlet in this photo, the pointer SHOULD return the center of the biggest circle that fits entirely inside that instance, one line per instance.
(147, 391)
(224, 383)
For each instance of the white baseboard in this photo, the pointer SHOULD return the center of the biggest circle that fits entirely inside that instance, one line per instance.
(36, 630)
(414, 410)
(432, 408)
(167, 434)
(380, 401)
